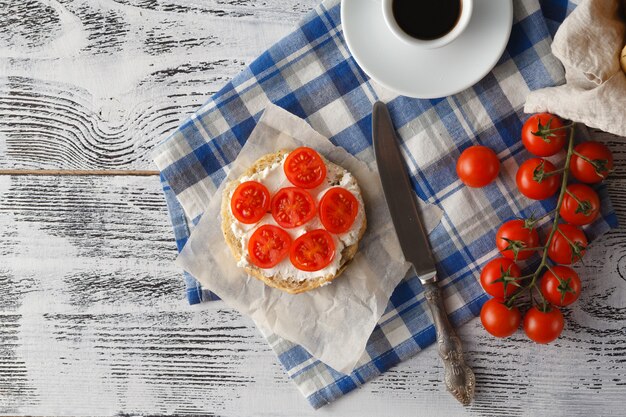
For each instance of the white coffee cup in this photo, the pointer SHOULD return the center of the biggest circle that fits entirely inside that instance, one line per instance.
(461, 25)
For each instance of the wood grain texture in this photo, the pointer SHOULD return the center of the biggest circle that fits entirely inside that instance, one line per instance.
(93, 319)
(97, 84)
(80, 172)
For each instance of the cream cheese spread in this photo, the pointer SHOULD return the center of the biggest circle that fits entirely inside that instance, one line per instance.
(274, 178)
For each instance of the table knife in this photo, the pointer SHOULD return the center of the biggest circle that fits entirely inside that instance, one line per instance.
(458, 377)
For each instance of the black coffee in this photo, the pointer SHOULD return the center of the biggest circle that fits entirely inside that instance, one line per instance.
(427, 19)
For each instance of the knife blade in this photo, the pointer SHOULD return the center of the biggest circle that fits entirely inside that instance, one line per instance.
(405, 215)
(399, 195)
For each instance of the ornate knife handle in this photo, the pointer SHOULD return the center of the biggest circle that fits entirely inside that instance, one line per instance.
(458, 377)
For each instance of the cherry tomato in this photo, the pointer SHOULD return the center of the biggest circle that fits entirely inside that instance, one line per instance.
(561, 251)
(305, 168)
(543, 327)
(514, 235)
(478, 166)
(591, 162)
(338, 210)
(292, 207)
(268, 245)
(581, 205)
(250, 202)
(539, 136)
(532, 182)
(504, 271)
(313, 250)
(561, 289)
(498, 319)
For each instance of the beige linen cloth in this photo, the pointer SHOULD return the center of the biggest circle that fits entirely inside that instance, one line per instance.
(588, 43)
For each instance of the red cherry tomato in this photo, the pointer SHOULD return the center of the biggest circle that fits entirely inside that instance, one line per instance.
(591, 162)
(530, 182)
(542, 134)
(581, 205)
(561, 289)
(514, 235)
(268, 245)
(292, 207)
(478, 166)
(498, 319)
(561, 251)
(313, 250)
(338, 210)
(250, 202)
(504, 271)
(305, 168)
(543, 327)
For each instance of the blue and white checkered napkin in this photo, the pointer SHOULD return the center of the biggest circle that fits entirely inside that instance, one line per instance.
(311, 74)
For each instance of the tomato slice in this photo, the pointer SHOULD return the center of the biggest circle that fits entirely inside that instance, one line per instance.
(292, 207)
(250, 202)
(313, 250)
(268, 246)
(305, 168)
(338, 210)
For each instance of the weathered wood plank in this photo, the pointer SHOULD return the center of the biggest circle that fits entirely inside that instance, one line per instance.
(93, 321)
(96, 85)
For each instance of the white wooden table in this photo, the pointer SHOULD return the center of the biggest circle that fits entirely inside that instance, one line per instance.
(93, 319)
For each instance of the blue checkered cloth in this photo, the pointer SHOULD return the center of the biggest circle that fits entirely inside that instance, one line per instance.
(311, 74)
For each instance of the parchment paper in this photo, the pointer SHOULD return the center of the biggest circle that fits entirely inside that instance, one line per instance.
(333, 322)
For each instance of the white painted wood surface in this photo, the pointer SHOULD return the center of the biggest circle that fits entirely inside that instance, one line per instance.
(92, 315)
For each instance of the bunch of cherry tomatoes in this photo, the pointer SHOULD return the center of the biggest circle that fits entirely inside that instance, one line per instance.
(553, 284)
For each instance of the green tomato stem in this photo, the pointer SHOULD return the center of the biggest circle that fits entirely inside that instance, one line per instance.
(537, 248)
(573, 196)
(550, 213)
(555, 172)
(557, 215)
(522, 278)
(594, 163)
(555, 224)
(532, 221)
(554, 129)
(551, 270)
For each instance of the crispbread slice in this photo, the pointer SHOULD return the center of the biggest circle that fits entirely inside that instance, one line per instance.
(287, 284)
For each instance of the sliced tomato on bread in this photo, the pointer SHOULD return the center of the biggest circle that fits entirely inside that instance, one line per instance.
(305, 168)
(338, 210)
(268, 245)
(312, 251)
(250, 202)
(292, 207)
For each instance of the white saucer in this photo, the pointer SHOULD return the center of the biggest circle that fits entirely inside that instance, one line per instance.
(426, 73)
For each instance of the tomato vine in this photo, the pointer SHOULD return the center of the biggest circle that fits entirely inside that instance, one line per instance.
(552, 284)
(555, 224)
